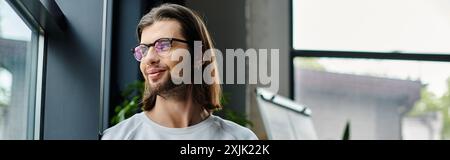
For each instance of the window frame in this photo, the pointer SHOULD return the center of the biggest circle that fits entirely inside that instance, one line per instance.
(294, 53)
(33, 52)
(42, 17)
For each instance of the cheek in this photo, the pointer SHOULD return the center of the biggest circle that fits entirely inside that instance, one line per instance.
(142, 68)
(171, 64)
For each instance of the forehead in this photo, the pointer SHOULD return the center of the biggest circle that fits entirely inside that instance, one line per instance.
(161, 29)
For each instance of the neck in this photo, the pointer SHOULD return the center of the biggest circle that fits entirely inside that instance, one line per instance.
(177, 112)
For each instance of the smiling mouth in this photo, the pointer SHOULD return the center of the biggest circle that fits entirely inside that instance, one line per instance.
(155, 74)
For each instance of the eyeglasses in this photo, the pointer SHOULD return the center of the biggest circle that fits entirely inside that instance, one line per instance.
(162, 46)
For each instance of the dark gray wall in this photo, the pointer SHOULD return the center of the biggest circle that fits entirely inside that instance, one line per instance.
(255, 24)
(72, 91)
(226, 23)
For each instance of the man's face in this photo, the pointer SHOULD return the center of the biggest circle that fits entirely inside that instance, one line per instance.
(154, 67)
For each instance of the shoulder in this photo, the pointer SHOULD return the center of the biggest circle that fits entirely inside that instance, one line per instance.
(123, 130)
(237, 131)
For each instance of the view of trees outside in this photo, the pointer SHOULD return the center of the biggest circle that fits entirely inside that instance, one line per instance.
(430, 102)
(5, 90)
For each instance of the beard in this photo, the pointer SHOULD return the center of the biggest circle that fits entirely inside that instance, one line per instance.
(166, 89)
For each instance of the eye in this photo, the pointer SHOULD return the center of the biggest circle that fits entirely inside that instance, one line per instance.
(163, 45)
(138, 53)
(143, 49)
(138, 50)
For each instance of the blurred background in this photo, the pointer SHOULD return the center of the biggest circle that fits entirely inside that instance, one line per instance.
(363, 69)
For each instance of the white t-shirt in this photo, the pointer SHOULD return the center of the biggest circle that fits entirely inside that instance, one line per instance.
(140, 127)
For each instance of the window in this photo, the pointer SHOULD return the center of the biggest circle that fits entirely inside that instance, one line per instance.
(18, 63)
(411, 26)
(344, 69)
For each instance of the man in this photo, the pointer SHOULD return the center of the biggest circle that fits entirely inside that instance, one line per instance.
(175, 111)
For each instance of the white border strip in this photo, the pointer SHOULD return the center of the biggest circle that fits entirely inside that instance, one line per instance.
(103, 67)
(38, 100)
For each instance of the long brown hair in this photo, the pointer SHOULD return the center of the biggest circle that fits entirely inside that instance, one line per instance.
(193, 29)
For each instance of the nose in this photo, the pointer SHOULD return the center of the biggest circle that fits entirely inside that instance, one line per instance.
(150, 58)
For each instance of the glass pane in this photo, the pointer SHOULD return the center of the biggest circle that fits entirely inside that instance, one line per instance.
(382, 99)
(413, 26)
(17, 59)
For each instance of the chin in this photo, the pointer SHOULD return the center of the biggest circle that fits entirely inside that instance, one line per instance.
(159, 81)
(155, 83)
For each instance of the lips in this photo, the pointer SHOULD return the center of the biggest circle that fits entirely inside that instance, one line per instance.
(154, 73)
